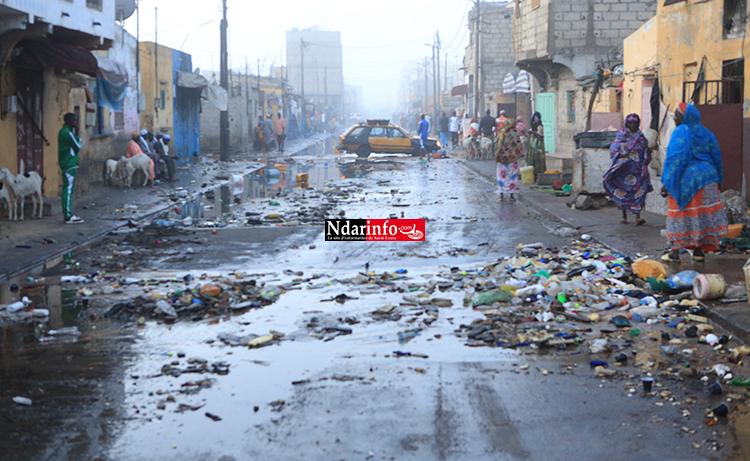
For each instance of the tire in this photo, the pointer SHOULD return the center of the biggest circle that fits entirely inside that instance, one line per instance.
(364, 151)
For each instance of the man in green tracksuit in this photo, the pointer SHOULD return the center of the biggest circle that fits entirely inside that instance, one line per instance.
(68, 147)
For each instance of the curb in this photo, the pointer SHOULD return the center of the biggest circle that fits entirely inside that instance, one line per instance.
(733, 320)
(529, 203)
(54, 258)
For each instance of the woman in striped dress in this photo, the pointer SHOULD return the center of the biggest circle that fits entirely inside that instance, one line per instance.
(692, 174)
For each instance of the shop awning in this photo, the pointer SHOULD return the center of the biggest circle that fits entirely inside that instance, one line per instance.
(215, 94)
(111, 75)
(460, 90)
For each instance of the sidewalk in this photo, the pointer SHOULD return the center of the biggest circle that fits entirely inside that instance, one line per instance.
(104, 209)
(604, 226)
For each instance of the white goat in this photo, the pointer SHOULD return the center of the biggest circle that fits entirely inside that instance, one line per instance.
(485, 148)
(110, 167)
(7, 196)
(23, 185)
(128, 166)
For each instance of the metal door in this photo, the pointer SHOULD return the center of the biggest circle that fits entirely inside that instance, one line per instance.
(545, 105)
(725, 122)
(29, 136)
(185, 141)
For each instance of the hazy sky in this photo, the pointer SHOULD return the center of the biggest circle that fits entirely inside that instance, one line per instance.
(378, 37)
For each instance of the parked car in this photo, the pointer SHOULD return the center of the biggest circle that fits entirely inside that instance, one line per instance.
(379, 136)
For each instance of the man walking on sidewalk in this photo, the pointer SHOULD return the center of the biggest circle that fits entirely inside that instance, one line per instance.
(453, 125)
(280, 131)
(487, 125)
(68, 147)
(443, 125)
(423, 130)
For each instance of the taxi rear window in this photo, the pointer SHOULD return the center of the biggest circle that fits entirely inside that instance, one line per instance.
(358, 131)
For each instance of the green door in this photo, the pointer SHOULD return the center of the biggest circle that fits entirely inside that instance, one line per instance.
(545, 105)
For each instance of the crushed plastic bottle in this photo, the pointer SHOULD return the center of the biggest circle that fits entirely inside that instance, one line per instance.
(487, 298)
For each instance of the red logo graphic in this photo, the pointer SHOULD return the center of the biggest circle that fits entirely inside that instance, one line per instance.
(396, 230)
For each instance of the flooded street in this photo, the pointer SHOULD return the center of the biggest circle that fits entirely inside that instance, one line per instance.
(333, 350)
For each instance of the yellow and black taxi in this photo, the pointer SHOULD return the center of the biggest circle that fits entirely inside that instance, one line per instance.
(379, 136)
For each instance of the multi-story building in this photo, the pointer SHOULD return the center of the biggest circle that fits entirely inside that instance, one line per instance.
(489, 58)
(693, 51)
(564, 44)
(314, 61)
(171, 106)
(48, 70)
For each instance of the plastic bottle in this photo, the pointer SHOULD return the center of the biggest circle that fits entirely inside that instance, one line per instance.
(22, 401)
(529, 290)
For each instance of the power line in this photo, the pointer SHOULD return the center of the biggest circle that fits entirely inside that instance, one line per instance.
(459, 26)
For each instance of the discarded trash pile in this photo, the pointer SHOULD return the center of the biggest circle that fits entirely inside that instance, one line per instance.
(210, 299)
(545, 297)
(587, 298)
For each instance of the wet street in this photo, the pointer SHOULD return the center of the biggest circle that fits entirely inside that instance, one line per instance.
(333, 350)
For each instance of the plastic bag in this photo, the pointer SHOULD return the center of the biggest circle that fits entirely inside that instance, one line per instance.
(682, 280)
(649, 268)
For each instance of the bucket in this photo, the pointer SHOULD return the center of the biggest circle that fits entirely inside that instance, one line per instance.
(527, 174)
(710, 286)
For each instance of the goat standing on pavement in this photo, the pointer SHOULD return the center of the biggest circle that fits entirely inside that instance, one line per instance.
(68, 148)
(7, 196)
(22, 186)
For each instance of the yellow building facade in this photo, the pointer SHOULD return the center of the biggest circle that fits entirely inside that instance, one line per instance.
(157, 87)
(696, 50)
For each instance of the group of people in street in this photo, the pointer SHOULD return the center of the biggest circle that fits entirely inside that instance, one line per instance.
(270, 135)
(691, 177)
(156, 147)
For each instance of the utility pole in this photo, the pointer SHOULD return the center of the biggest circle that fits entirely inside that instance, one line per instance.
(224, 120)
(476, 64)
(438, 73)
(426, 87)
(325, 85)
(260, 96)
(138, 55)
(434, 92)
(302, 64)
(156, 64)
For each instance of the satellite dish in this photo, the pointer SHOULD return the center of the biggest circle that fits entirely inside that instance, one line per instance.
(124, 9)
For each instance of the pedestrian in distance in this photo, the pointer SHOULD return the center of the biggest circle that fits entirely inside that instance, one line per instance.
(627, 180)
(536, 123)
(68, 154)
(454, 126)
(500, 121)
(280, 129)
(423, 130)
(443, 123)
(692, 173)
(487, 125)
(268, 132)
(510, 148)
(161, 146)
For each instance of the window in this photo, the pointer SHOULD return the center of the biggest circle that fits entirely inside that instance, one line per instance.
(359, 131)
(534, 4)
(395, 133)
(119, 120)
(378, 132)
(94, 4)
(571, 105)
(733, 22)
(163, 98)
